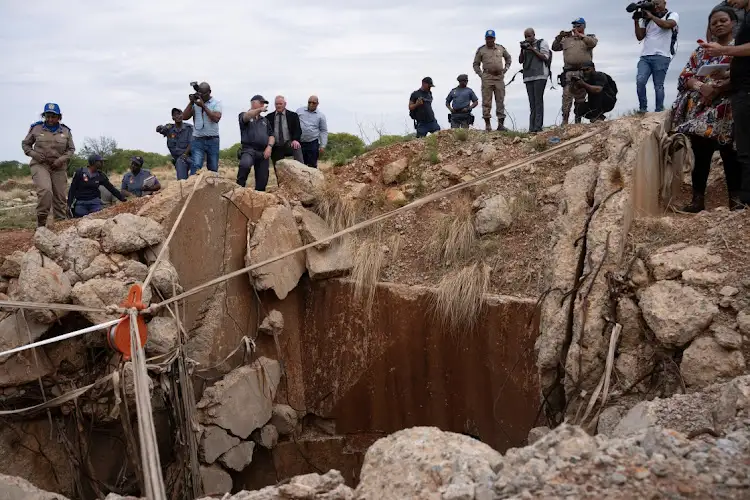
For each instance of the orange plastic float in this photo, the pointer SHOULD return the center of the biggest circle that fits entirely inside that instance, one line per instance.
(119, 335)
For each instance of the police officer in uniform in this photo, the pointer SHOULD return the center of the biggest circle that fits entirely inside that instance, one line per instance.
(179, 135)
(49, 143)
(491, 62)
(460, 101)
(257, 140)
(577, 48)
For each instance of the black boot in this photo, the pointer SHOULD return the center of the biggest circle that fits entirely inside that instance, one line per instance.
(500, 126)
(697, 205)
(41, 221)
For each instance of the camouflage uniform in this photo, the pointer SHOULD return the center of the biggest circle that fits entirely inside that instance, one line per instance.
(491, 64)
(576, 51)
(51, 181)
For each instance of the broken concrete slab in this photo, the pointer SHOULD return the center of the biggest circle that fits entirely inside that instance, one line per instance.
(17, 488)
(337, 260)
(42, 280)
(239, 457)
(312, 228)
(273, 324)
(126, 233)
(251, 202)
(276, 233)
(284, 418)
(215, 441)
(393, 171)
(243, 400)
(267, 436)
(705, 362)
(676, 313)
(303, 182)
(670, 262)
(216, 481)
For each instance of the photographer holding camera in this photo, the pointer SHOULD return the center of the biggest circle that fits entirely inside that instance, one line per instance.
(179, 136)
(657, 29)
(577, 49)
(536, 60)
(600, 91)
(460, 101)
(206, 113)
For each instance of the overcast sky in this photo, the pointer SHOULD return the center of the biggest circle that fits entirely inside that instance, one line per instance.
(117, 68)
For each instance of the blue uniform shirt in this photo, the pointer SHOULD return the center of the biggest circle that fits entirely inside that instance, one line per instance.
(461, 98)
(178, 139)
(134, 183)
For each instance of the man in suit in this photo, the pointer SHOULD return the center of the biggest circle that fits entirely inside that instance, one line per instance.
(286, 131)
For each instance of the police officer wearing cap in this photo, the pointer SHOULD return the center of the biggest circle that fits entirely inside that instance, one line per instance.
(420, 109)
(139, 181)
(49, 143)
(84, 196)
(257, 140)
(460, 101)
(491, 62)
(577, 48)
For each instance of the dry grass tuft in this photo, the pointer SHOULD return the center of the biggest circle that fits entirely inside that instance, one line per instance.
(461, 134)
(455, 239)
(458, 301)
(369, 256)
(337, 210)
(13, 193)
(522, 203)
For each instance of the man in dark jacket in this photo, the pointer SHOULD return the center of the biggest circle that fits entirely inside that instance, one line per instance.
(257, 140)
(287, 132)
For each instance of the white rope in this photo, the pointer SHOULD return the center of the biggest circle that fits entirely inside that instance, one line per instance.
(150, 462)
(60, 337)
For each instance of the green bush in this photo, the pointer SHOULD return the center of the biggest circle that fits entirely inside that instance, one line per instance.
(230, 153)
(10, 169)
(342, 147)
(387, 140)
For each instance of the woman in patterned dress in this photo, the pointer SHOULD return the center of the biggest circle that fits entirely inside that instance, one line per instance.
(703, 112)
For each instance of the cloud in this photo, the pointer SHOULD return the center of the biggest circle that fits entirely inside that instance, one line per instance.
(117, 68)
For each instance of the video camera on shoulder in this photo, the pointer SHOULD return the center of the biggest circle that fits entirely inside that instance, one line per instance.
(638, 8)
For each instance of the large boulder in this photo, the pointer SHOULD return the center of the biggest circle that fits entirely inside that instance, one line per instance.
(165, 279)
(215, 441)
(126, 233)
(103, 292)
(705, 361)
(494, 214)
(336, 260)
(274, 234)
(393, 171)
(676, 313)
(16, 488)
(671, 261)
(11, 267)
(162, 336)
(79, 253)
(91, 228)
(47, 242)
(42, 280)
(243, 400)
(303, 182)
(216, 481)
(239, 456)
(284, 418)
(312, 228)
(411, 462)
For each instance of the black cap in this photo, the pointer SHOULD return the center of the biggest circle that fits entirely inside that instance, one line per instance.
(428, 81)
(176, 110)
(138, 160)
(260, 98)
(463, 78)
(95, 158)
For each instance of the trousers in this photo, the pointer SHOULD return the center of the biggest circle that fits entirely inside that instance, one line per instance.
(253, 158)
(182, 167)
(535, 90)
(703, 150)
(87, 207)
(310, 153)
(571, 93)
(204, 147)
(51, 185)
(427, 128)
(281, 151)
(493, 85)
(656, 67)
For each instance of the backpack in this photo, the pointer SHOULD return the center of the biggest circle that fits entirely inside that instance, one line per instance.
(611, 88)
(675, 31)
(549, 58)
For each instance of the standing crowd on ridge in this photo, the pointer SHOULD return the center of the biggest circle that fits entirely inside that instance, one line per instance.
(712, 109)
